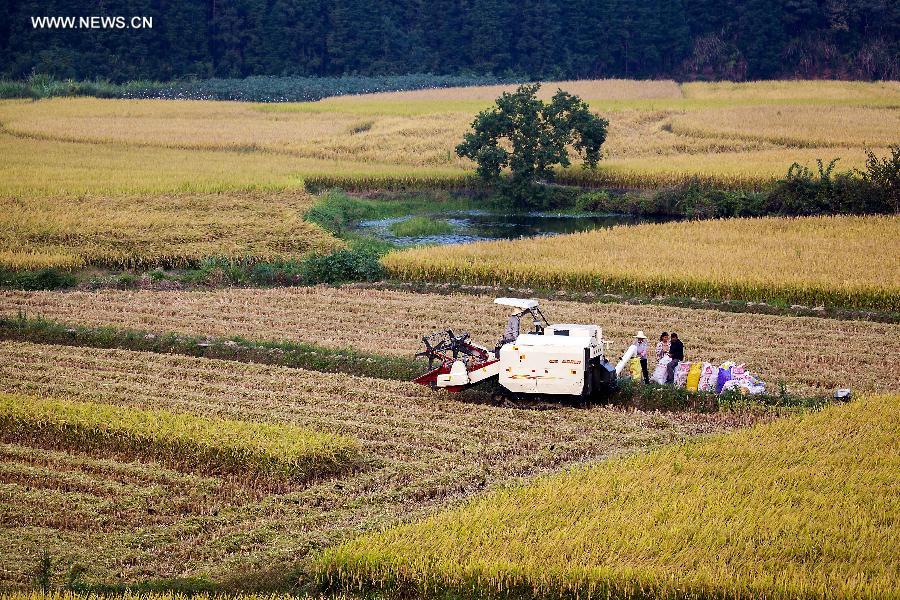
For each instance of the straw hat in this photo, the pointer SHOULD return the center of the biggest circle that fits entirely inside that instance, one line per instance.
(640, 335)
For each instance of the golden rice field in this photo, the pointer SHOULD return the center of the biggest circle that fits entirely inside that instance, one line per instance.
(187, 441)
(128, 520)
(844, 261)
(129, 595)
(800, 508)
(811, 355)
(660, 133)
(144, 231)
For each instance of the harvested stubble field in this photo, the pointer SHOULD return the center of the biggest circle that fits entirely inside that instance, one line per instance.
(811, 355)
(185, 441)
(144, 231)
(660, 133)
(845, 261)
(800, 508)
(131, 521)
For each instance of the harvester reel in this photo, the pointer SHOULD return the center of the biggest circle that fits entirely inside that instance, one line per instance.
(447, 346)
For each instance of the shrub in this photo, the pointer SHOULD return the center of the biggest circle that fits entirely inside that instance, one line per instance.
(341, 266)
(42, 279)
(884, 175)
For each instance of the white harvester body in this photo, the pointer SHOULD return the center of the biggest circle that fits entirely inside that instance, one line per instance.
(555, 362)
(561, 360)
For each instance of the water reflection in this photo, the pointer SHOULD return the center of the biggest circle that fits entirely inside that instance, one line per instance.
(479, 225)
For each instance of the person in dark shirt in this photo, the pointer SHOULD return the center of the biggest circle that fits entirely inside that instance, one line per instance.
(676, 352)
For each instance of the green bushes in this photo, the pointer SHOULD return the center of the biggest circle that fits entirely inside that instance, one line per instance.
(41, 279)
(668, 398)
(341, 266)
(802, 192)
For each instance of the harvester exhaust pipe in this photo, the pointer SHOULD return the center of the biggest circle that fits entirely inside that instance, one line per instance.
(629, 354)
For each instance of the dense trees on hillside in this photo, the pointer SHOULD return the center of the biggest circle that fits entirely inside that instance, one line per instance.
(686, 39)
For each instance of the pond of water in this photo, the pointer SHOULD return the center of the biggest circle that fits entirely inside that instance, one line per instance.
(478, 225)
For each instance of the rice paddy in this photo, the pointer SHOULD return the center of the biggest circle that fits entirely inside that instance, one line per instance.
(851, 262)
(809, 354)
(145, 231)
(189, 442)
(128, 521)
(803, 507)
(128, 467)
(710, 130)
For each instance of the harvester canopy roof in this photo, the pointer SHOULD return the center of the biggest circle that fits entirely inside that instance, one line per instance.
(517, 303)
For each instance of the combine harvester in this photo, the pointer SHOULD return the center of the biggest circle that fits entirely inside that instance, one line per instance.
(562, 360)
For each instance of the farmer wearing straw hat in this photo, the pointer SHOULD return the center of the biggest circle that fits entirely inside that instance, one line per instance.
(640, 344)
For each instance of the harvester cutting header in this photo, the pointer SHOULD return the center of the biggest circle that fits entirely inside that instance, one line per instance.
(559, 359)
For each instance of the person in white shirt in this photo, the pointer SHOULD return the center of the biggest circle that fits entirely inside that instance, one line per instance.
(662, 346)
(640, 343)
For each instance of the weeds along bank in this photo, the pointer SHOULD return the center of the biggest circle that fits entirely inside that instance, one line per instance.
(811, 355)
(847, 261)
(124, 519)
(800, 507)
(660, 134)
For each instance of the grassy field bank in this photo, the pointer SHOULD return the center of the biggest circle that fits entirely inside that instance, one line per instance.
(802, 507)
(661, 133)
(849, 262)
(183, 440)
(127, 521)
(811, 355)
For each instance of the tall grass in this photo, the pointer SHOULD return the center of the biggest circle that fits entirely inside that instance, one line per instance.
(850, 262)
(189, 441)
(803, 507)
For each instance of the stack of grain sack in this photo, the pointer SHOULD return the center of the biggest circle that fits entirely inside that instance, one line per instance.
(705, 377)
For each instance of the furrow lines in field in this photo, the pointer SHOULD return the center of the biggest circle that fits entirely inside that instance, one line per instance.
(811, 355)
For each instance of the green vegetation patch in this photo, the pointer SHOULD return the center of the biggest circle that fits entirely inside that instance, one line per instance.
(420, 227)
(185, 440)
(801, 507)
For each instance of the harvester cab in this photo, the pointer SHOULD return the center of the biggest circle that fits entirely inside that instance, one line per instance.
(555, 360)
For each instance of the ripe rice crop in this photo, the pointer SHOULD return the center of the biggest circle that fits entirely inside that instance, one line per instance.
(851, 262)
(143, 231)
(803, 507)
(421, 450)
(795, 126)
(824, 92)
(129, 595)
(191, 442)
(737, 135)
(39, 168)
(809, 354)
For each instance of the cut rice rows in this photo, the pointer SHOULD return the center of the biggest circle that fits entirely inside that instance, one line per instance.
(420, 450)
(811, 355)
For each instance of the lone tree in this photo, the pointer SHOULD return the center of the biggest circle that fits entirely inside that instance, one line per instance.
(530, 137)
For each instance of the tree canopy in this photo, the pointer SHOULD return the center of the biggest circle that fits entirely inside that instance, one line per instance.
(541, 39)
(530, 137)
